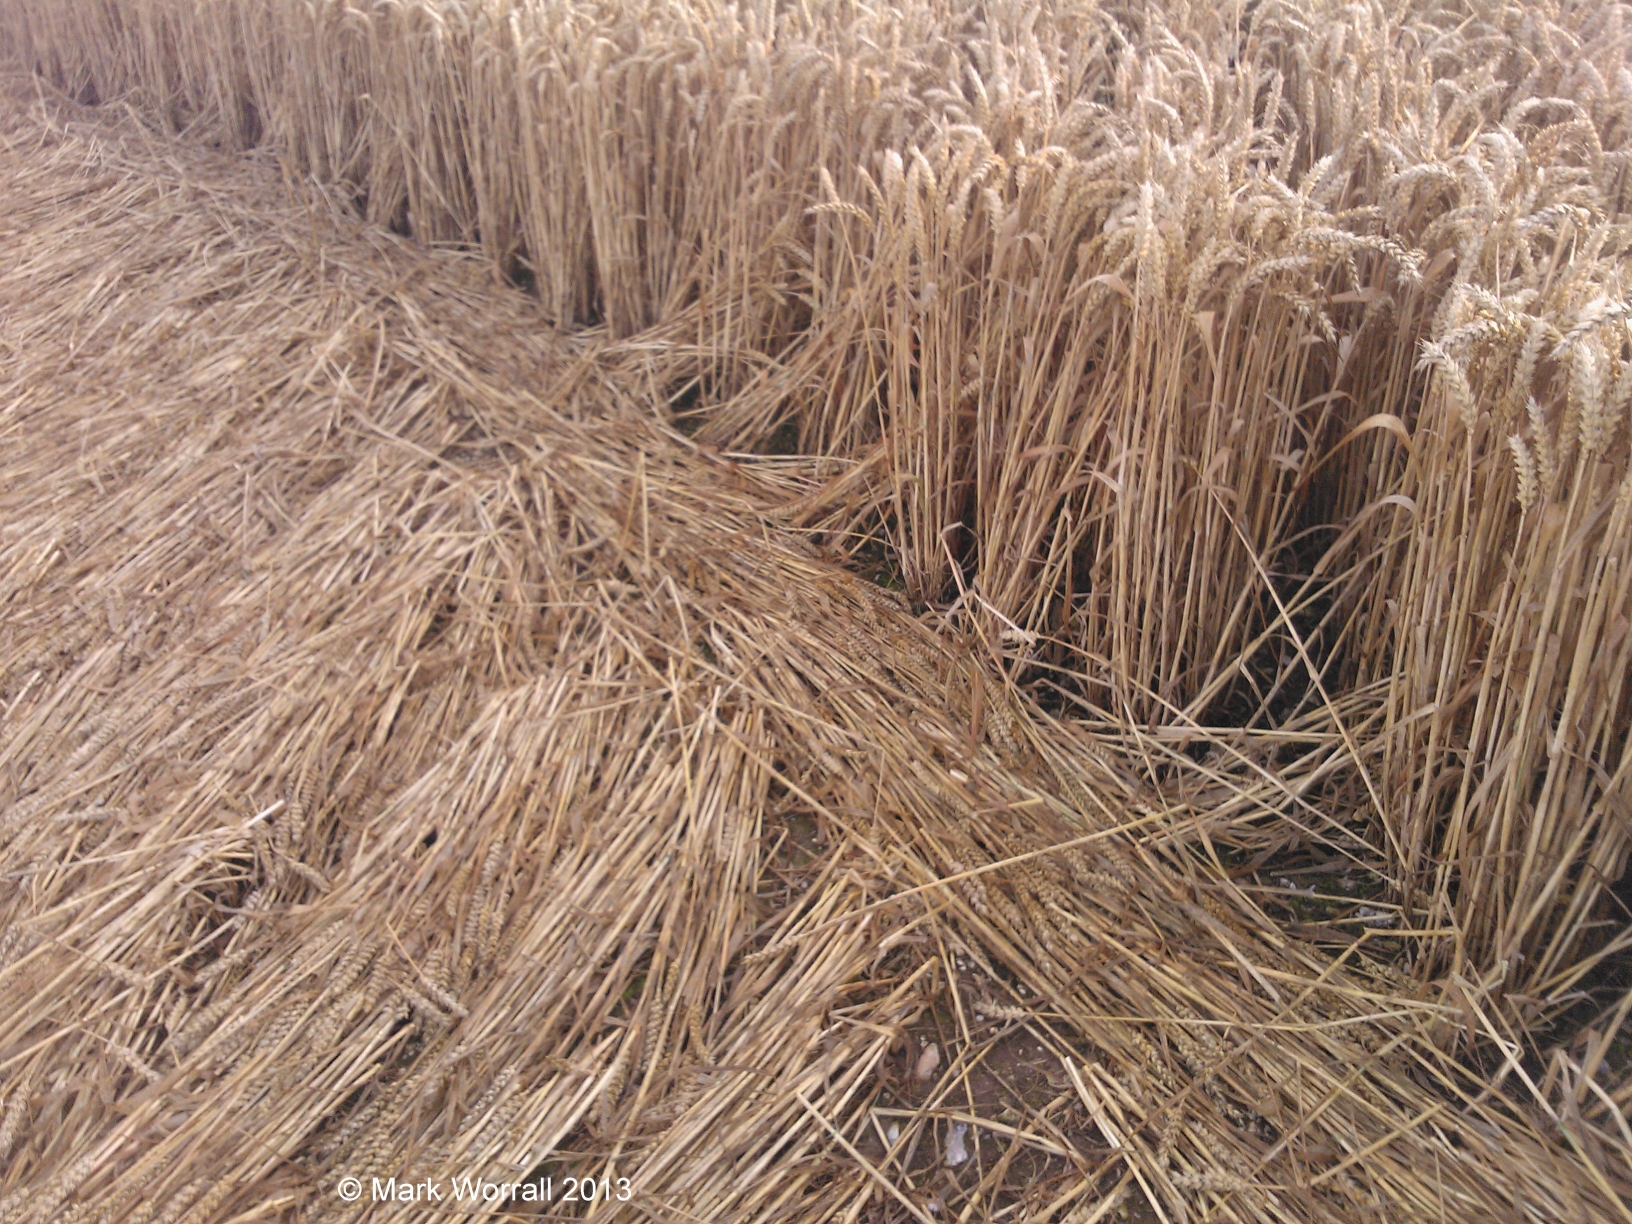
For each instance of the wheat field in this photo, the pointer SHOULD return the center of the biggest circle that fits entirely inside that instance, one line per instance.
(815, 612)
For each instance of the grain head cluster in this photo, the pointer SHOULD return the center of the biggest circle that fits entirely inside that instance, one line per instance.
(769, 600)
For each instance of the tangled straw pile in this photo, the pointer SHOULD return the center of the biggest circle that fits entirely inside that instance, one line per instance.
(437, 745)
